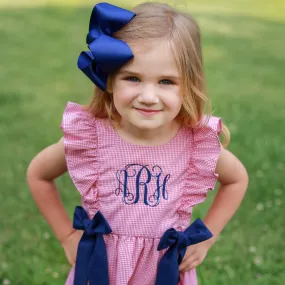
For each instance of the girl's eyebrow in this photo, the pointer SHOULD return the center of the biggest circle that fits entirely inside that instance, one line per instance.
(125, 71)
(170, 76)
(173, 77)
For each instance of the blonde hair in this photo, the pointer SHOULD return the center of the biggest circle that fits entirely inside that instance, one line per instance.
(155, 21)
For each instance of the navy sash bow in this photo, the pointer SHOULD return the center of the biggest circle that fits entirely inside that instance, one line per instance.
(91, 261)
(106, 54)
(168, 268)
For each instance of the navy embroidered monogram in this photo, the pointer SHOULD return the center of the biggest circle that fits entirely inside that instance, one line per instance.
(138, 181)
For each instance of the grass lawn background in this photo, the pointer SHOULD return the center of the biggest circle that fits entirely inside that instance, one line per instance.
(243, 45)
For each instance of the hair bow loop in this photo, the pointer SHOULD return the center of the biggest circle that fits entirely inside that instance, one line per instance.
(106, 54)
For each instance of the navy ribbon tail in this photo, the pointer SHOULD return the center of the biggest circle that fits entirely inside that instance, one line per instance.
(177, 242)
(99, 264)
(91, 261)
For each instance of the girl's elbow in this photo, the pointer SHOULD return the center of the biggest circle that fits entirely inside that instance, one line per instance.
(34, 172)
(244, 178)
(31, 173)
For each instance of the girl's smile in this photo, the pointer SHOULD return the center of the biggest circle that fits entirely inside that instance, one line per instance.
(148, 112)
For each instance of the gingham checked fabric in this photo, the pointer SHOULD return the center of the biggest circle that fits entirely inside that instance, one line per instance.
(141, 190)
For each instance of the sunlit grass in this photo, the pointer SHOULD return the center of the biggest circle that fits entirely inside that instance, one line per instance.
(30, 3)
(244, 62)
(274, 9)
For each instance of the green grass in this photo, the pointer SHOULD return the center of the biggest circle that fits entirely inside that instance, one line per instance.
(243, 45)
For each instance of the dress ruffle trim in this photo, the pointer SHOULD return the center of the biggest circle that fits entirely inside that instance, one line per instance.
(80, 143)
(206, 148)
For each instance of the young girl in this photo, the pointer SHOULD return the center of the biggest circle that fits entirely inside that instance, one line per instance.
(142, 154)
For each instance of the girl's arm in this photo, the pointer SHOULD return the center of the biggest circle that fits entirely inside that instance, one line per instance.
(42, 171)
(233, 180)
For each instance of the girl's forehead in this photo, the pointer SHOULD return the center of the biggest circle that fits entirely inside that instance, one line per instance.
(155, 55)
(145, 45)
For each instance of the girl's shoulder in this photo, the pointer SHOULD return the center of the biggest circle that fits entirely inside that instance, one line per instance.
(79, 123)
(206, 143)
(75, 114)
(78, 126)
(206, 146)
(209, 123)
(205, 135)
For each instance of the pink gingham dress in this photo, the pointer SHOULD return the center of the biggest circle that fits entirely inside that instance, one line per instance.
(102, 165)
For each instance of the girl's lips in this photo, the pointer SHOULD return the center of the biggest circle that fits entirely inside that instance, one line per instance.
(147, 112)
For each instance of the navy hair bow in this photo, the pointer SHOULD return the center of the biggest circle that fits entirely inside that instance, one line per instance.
(91, 261)
(168, 268)
(106, 54)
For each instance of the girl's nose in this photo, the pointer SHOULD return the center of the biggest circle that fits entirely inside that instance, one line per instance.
(148, 95)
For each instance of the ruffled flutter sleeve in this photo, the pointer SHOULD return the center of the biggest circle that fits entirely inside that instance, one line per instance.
(206, 148)
(80, 144)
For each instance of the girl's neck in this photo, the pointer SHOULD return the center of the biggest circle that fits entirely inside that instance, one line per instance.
(151, 137)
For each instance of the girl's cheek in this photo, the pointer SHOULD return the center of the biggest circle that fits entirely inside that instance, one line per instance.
(172, 100)
(124, 93)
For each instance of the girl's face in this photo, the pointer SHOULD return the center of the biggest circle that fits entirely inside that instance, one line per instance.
(146, 90)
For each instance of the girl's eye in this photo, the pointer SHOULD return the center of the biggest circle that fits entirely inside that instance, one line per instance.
(132, 79)
(166, 82)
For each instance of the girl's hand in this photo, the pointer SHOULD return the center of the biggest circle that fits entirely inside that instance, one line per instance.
(70, 245)
(194, 256)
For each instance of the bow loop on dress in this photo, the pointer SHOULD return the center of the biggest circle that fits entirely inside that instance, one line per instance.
(177, 242)
(91, 261)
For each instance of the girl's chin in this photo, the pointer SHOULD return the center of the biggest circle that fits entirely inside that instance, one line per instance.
(145, 126)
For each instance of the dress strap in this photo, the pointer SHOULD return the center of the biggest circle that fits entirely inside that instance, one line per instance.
(177, 242)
